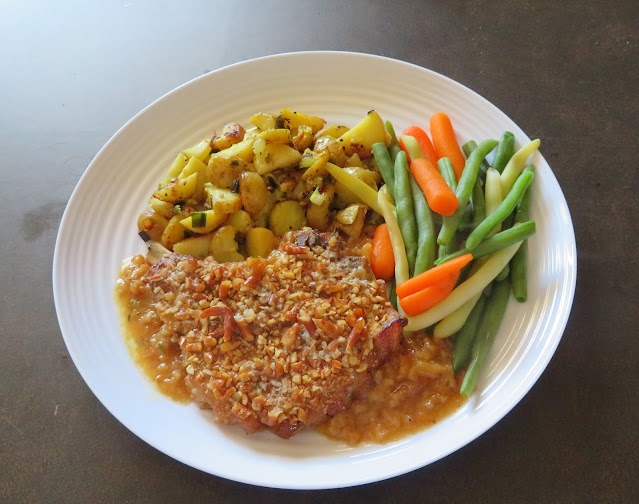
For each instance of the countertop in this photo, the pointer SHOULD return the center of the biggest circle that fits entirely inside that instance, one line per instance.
(567, 72)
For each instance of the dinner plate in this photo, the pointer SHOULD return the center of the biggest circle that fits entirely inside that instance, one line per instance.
(98, 230)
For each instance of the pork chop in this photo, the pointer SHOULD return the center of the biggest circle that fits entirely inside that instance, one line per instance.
(281, 343)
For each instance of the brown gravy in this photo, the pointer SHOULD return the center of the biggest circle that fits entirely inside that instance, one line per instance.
(413, 390)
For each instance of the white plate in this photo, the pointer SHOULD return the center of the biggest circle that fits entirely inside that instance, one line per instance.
(340, 87)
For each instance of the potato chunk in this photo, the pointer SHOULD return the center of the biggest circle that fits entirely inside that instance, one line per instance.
(260, 242)
(361, 137)
(286, 216)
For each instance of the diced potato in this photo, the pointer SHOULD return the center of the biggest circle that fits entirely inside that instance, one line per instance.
(317, 216)
(198, 246)
(260, 242)
(304, 138)
(223, 246)
(336, 152)
(345, 196)
(253, 192)
(195, 165)
(276, 156)
(356, 217)
(251, 134)
(164, 208)
(223, 172)
(354, 160)
(294, 119)
(361, 137)
(232, 134)
(334, 131)
(178, 189)
(277, 136)
(286, 216)
(241, 221)
(200, 150)
(178, 164)
(203, 222)
(152, 224)
(263, 121)
(242, 150)
(222, 200)
(348, 215)
(261, 218)
(318, 168)
(173, 232)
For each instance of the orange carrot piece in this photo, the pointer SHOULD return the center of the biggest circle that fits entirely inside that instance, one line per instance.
(424, 143)
(382, 257)
(445, 142)
(440, 197)
(421, 301)
(432, 276)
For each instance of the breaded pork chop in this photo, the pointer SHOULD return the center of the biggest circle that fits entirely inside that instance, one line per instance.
(279, 343)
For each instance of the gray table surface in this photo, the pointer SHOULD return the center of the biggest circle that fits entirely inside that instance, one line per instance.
(72, 72)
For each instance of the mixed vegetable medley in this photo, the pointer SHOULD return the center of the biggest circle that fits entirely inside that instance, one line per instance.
(447, 226)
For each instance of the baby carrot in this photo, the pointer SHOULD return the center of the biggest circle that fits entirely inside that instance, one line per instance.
(445, 142)
(424, 143)
(431, 276)
(427, 298)
(440, 197)
(382, 257)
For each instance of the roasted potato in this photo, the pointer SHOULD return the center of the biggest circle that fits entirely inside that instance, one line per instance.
(253, 192)
(351, 220)
(241, 221)
(195, 165)
(232, 134)
(203, 222)
(318, 212)
(286, 216)
(294, 120)
(198, 246)
(223, 246)
(361, 137)
(260, 242)
(223, 201)
(173, 232)
(263, 121)
(200, 150)
(345, 196)
(177, 189)
(152, 224)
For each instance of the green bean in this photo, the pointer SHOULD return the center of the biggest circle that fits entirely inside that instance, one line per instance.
(445, 250)
(502, 211)
(504, 273)
(425, 229)
(392, 294)
(504, 151)
(469, 147)
(518, 264)
(464, 339)
(488, 328)
(464, 190)
(385, 165)
(478, 202)
(496, 242)
(404, 205)
(446, 170)
(393, 148)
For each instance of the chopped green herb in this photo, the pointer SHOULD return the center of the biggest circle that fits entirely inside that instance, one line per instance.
(272, 183)
(144, 236)
(188, 233)
(279, 122)
(234, 162)
(177, 210)
(198, 219)
(235, 188)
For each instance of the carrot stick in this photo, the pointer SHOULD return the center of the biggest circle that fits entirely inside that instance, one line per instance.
(424, 143)
(425, 299)
(382, 257)
(445, 142)
(431, 276)
(440, 197)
